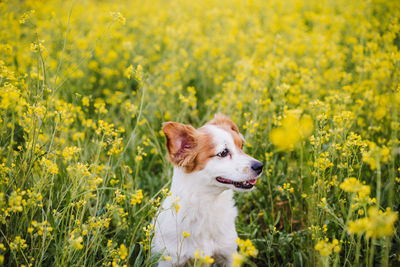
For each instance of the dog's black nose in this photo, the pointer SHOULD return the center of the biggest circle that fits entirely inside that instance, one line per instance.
(257, 167)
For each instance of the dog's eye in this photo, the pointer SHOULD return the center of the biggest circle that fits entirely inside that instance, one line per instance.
(223, 153)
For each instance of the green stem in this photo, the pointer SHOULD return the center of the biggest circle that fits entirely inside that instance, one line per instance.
(349, 214)
(358, 250)
(378, 183)
(371, 253)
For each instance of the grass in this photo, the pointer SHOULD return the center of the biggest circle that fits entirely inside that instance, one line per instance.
(86, 85)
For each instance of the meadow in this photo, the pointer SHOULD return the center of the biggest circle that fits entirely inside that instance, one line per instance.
(314, 87)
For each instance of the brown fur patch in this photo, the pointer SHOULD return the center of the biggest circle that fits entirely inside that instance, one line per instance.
(205, 150)
(225, 123)
(187, 147)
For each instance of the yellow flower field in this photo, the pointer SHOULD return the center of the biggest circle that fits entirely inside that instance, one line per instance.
(314, 86)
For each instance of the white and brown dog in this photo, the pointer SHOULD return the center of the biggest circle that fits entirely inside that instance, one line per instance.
(208, 163)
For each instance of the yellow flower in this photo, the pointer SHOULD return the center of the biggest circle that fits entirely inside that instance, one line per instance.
(117, 147)
(123, 252)
(325, 247)
(18, 243)
(76, 243)
(199, 255)
(138, 73)
(377, 224)
(137, 197)
(175, 204)
(27, 15)
(128, 71)
(177, 207)
(10, 96)
(357, 226)
(376, 154)
(237, 259)
(148, 231)
(352, 185)
(292, 131)
(185, 234)
(246, 247)
(50, 165)
(208, 259)
(117, 16)
(16, 201)
(165, 192)
(85, 101)
(166, 258)
(69, 152)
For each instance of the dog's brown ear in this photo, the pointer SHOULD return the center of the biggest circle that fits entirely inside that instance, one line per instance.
(227, 124)
(181, 142)
(224, 122)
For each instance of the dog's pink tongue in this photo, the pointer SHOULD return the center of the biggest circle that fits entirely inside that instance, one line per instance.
(252, 181)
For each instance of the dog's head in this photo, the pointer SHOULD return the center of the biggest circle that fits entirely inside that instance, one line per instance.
(213, 153)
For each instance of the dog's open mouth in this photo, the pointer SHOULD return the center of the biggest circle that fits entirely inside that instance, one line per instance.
(243, 185)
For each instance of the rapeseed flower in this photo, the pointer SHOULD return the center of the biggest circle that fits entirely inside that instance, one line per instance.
(76, 243)
(326, 248)
(376, 154)
(16, 202)
(200, 257)
(26, 16)
(237, 259)
(175, 204)
(117, 16)
(51, 166)
(292, 130)
(123, 252)
(128, 71)
(352, 185)
(246, 247)
(82, 98)
(137, 197)
(69, 152)
(18, 243)
(377, 224)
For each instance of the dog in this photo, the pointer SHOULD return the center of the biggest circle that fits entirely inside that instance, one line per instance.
(199, 214)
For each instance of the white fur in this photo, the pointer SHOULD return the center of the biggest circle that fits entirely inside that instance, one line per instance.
(207, 209)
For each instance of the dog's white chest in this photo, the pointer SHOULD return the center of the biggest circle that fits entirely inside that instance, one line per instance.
(210, 222)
